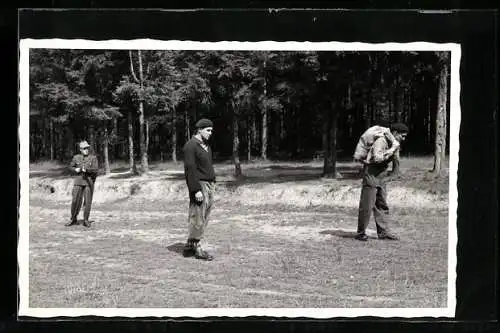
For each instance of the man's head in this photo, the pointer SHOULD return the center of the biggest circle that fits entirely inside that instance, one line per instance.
(400, 131)
(84, 147)
(204, 127)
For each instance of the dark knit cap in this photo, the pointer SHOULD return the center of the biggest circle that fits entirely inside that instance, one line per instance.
(202, 123)
(399, 127)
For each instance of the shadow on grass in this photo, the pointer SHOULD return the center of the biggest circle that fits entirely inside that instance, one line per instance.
(56, 173)
(125, 175)
(176, 248)
(275, 178)
(121, 169)
(341, 233)
(177, 176)
(131, 175)
(79, 222)
(289, 174)
(305, 167)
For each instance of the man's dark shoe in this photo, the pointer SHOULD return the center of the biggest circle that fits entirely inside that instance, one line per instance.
(188, 251)
(86, 223)
(361, 237)
(388, 236)
(70, 223)
(202, 254)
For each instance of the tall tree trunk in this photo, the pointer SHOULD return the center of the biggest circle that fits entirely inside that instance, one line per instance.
(440, 138)
(67, 147)
(51, 134)
(348, 103)
(62, 142)
(429, 109)
(92, 138)
(413, 109)
(299, 138)
(366, 114)
(330, 143)
(263, 152)
(174, 135)
(146, 129)
(131, 158)
(236, 147)
(142, 125)
(397, 101)
(324, 133)
(249, 141)
(371, 114)
(404, 111)
(44, 139)
(282, 126)
(114, 145)
(107, 168)
(254, 129)
(121, 150)
(401, 103)
(60, 145)
(188, 125)
(142, 140)
(429, 127)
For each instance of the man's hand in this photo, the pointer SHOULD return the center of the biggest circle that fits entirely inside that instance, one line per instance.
(390, 152)
(77, 170)
(83, 170)
(198, 196)
(387, 155)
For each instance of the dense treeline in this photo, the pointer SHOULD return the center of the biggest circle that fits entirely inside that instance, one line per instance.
(141, 105)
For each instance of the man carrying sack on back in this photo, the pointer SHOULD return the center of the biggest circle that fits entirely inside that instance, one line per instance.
(376, 149)
(85, 167)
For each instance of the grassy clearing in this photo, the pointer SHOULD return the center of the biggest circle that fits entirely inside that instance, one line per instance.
(273, 257)
(271, 251)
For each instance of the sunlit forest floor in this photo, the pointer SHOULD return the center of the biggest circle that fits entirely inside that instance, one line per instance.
(282, 236)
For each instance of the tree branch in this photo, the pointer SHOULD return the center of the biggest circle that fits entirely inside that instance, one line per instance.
(132, 67)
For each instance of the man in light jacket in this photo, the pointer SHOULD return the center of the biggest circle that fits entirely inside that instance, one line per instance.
(85, 168)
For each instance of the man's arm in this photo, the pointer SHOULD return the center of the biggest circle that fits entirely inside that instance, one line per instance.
(395, 164)
(192, 180)
(379, 151)
(74, 164)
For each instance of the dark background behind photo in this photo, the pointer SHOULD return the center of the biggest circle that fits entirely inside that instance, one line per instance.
(477, 211)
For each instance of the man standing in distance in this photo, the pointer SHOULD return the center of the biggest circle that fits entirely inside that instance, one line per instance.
(373, 193)
(85, 166)
(200, 178)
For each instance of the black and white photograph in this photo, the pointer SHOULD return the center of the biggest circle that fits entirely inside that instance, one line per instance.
(185, 178)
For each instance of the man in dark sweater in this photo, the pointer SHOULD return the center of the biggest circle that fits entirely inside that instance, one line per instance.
(200, 178)
(85, 166)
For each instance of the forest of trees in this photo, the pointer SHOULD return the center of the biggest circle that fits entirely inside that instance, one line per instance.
(141, 105)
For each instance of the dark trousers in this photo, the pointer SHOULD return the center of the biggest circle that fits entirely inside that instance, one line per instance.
(373, 199)
(81, 193)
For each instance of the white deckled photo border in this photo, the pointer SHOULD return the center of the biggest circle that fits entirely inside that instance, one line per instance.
(148, 44)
